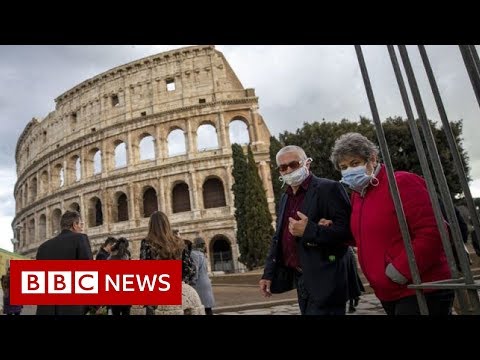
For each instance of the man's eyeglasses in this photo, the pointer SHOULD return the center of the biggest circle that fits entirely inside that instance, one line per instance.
(295, 164)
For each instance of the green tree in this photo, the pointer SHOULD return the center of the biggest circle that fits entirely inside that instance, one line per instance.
(258, 224)
(239, 173)
(275, 146)
(317, 140)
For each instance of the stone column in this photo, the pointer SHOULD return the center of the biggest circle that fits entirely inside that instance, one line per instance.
(131, 158)
(164, 205)
(224, 136)
(132, 211)
(191, 140)
(194, 195)
(228, 186)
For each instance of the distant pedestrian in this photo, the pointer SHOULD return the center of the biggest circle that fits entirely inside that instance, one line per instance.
(9, 309)
(201, 282)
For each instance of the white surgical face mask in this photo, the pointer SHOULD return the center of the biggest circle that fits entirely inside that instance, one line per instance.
(295, 178)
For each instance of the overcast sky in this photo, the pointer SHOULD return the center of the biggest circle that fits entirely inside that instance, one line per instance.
(295, 84)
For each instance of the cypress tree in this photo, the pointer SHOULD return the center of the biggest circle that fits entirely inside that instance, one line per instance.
(239, 173)
(258, 225)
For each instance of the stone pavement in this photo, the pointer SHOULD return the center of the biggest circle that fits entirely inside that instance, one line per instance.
(368, 305)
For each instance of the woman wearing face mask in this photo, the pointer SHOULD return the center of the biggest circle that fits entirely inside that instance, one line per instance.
(376, 231)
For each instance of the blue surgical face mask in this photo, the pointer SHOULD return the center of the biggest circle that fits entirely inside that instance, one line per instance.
(356, 178)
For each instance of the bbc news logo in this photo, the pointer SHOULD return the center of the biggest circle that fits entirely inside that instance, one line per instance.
(93, 282)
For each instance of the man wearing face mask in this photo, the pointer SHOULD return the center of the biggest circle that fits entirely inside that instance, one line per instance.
(374, 224)
(304, 254)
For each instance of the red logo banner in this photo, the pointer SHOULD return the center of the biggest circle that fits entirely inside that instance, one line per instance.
(96, 282)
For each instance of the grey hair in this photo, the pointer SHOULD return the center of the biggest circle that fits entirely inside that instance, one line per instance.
(292, 148)
(352, 144)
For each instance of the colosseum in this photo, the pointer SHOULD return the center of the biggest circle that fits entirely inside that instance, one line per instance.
(153, 134)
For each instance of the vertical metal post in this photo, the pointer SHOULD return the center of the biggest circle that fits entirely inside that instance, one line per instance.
(426, 172)
(450, 139)
(440, 176)
(472, 70)
(392, 182)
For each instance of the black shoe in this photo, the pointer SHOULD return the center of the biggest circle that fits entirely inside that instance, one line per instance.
(356, 301)
(351, 309)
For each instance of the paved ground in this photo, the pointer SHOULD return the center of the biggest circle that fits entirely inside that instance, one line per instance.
(369, 305)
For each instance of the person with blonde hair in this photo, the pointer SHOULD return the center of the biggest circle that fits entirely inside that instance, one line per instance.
(160, 243)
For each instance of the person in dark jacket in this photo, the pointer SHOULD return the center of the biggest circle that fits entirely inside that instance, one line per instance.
(70, 244)
(304, 254)
(106, 249)
(120, 252)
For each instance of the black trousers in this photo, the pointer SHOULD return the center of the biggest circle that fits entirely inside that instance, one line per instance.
(308, 306)
(439, 304)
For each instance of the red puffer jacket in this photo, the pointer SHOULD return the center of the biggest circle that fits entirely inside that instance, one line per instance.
(377, 235)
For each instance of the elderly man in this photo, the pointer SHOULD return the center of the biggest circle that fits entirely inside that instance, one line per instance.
(304, 254)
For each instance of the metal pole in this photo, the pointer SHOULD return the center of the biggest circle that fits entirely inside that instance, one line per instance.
(426, 172)
(471, 70)
(442, 182)
(451, 140)
(392, 182)
(474, 54)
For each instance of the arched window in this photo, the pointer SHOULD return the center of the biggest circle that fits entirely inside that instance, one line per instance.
(95, 212)
(176, 143)
(207, 137)
(147, 148)
(120, 155)
(150, 202)
(213, 193)
(56, 216)
(238, 131)
(180, 198)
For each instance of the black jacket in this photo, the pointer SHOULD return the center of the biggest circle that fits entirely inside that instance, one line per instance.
(68, 245)
(321, 249)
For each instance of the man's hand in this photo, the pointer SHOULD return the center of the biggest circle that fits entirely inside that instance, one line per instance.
(265, 287)
(297, 227)
(325, 222)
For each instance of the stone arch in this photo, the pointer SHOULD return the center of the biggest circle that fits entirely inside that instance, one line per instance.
(146, 147)
(56, 217)
(74, 206)
(150, 201)
(207, 137)
(42, 228)
(44, 182)
(238, 131)
(181, 197)
(58, 176)
(221, 253)
(33, 190)
(176, 143)
(74, 171)
(120, 154)
(213, 193)
(95, 212)
(94, 162)
(120, 208)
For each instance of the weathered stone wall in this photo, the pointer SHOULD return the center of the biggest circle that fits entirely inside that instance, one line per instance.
(124, 105)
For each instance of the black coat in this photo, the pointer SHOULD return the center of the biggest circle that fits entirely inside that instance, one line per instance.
(68, 245)
(321, 249)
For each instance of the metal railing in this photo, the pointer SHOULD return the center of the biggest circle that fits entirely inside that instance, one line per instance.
(462, 281)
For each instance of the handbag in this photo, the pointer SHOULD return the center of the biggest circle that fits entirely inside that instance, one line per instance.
(283, 280)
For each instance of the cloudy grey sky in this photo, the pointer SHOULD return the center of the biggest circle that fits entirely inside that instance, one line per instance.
(295, 84)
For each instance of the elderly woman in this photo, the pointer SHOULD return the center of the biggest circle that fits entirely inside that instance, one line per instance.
(376, 230)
